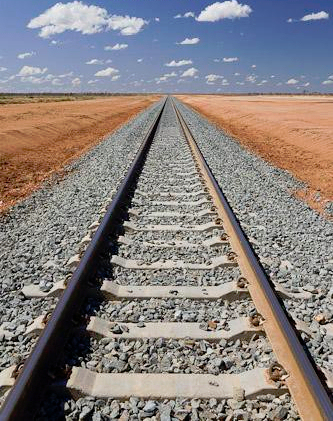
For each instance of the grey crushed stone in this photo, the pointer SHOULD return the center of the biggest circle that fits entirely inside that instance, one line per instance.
(293, 242)
(265, 408)
(39, 235)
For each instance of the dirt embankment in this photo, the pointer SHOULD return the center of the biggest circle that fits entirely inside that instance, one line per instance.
(37, 140)
(293, 133)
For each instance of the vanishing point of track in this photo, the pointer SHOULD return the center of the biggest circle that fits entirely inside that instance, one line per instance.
(193, 214)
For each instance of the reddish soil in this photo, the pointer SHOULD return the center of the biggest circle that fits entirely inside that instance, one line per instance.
(292, 132)
(39, 139)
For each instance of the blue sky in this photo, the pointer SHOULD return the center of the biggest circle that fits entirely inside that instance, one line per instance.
(140, 46)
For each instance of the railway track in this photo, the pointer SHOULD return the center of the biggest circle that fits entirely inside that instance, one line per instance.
(168, 313)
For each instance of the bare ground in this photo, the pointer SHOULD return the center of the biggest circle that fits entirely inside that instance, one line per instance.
(38, 139)
(293, 133)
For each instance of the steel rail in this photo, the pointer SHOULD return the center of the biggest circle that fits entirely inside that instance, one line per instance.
(309, 394)
(22, 400)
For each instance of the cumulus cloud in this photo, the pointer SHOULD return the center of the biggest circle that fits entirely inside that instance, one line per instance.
(179, 63)
(92, 81)
(157, 19)
(292, 81)
(115, 47)
(108, 72)
(189, 41)
(140, 60)
(126, 25)
(2, 69)
(76, 81)
(79, 17)
(225, 10)
(312, 16)
(185, 15)
(254, 66)
(165, 77)
(327, 82)
(211, 79)
(25, 55)
(69, 74)
(30, 71)
(94, 61)
(330, 77)
(230, 59)
(57, 82)
(251, 78)
(315, 16)
(191, 72)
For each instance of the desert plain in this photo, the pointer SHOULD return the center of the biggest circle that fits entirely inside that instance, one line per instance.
(294, 133)
(38, 139)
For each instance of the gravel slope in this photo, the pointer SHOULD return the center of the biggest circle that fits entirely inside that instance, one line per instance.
(39, 235)
(294, 242)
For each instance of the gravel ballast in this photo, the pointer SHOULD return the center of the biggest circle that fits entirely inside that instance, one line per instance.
(293, 242)
(40, 234)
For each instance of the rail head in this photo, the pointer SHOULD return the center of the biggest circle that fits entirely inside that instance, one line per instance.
(24, 396)
(306, 388)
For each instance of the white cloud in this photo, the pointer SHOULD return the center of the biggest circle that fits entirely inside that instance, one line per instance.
(327, 82)
(292, 82)
(126, 25)
(211, 79)
(29, 71)
(2, 69)
(290, 20)
(262, 82)
(66, 75)
(76, 81)
(185, 15)
(230, 59)
(315, 16)
(236, 74)
(157, 19)
(33, 79)
(306, 84)
(254, 66)
(225, 82)
(251, 78)
(190, 72)
(140, 60)
(225, 10)
(50, 77)
(92, 81)
(189, 41)
(108, 72)
(165, 77)
(115, 47)
(94, 61)
(174, 63)
(57, 82)
(330, 77)
(79, 17)
(24, 55)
